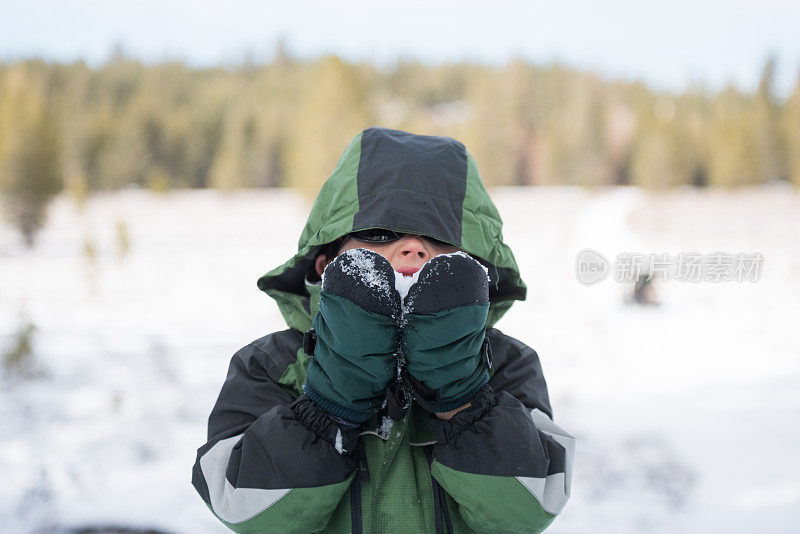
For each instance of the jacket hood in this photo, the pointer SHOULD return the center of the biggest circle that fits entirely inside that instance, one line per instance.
(408, 183)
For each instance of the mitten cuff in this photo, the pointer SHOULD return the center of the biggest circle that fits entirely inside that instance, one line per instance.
(350, 415)
(482, 402)
(451, 403)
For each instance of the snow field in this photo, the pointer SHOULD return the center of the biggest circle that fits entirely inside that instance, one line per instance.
(683, 412)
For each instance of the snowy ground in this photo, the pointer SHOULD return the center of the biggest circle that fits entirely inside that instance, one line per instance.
(683, 412)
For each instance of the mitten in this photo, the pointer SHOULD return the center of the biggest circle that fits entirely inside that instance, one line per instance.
(444, 331)
(357, 336)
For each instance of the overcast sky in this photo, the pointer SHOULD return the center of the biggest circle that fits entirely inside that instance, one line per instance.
(668, 44)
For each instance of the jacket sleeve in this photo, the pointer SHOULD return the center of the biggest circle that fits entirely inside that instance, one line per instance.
(271, 463)
(503, 460)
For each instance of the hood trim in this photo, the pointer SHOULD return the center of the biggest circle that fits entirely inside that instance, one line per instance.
(333, 215)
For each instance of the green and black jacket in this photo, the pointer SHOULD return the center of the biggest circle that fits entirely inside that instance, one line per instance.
(272, 463)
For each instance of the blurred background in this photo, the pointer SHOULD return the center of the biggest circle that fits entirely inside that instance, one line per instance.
(157, 157)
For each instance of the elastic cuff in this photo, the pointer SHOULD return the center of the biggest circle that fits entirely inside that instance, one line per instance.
(348, 414)
(451, 429)
(344, 438)
(446, 405)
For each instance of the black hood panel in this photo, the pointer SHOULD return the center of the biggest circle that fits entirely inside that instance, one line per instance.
(411, 183)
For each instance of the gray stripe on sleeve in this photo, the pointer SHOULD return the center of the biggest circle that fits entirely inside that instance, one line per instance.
(234, 505)
(553, 491)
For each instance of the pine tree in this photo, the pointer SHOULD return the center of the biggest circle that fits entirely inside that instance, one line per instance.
(30, 172)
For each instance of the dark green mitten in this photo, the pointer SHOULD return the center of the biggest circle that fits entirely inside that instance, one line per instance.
(357, 330)
(445, 327)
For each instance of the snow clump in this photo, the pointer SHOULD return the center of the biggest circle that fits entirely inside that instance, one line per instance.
(339, 447)
(361, 264)
(403, 283)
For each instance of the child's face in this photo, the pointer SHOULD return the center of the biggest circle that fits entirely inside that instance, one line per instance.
(407, 254)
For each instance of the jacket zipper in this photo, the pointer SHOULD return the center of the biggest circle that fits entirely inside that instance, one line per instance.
(440, 511)
(443, 507)
(362, 475)
(355, 506)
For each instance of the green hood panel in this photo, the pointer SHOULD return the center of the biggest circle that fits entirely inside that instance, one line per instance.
(408, 183)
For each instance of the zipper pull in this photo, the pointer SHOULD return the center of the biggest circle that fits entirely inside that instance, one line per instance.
(362, 474)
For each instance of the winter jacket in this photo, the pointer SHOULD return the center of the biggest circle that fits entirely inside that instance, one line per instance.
(274, 461)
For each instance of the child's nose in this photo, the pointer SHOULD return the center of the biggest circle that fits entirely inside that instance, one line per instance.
(411, 245)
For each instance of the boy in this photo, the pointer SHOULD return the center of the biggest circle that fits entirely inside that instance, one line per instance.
(391, 404)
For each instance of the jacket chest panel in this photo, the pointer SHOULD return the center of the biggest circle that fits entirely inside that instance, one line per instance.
(398, 496)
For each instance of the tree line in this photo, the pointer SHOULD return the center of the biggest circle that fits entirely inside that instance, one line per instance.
(285, 123)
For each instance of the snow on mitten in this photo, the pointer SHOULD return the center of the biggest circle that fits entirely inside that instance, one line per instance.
(357, 336)
(445, 327)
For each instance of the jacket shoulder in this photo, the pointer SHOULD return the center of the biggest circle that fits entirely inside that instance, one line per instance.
(518, 371)
(505, 344)
(273, 352)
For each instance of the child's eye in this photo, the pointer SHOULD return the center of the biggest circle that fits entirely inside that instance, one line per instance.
(375, 235)
(381, 235)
